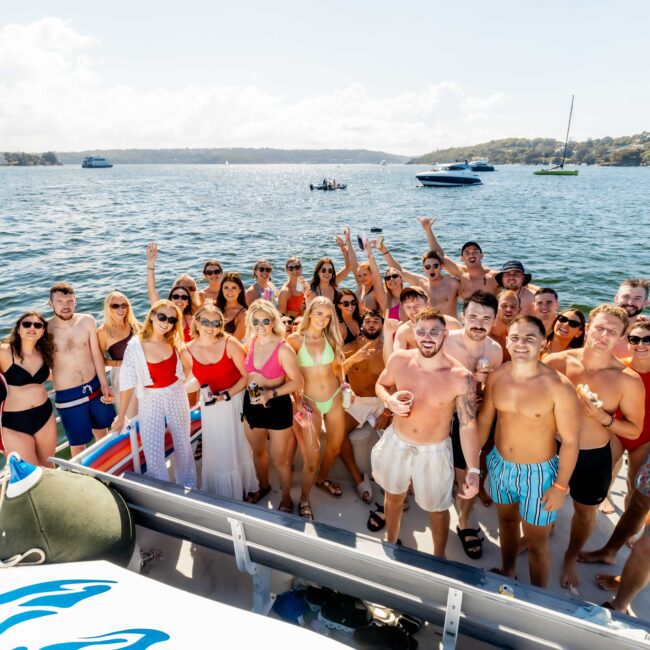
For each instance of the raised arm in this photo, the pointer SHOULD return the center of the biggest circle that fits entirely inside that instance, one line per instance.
(152, 256)
(347, 264)
(448, 264)
(381, 296)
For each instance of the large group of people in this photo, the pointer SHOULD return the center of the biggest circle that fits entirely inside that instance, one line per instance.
(479, 385)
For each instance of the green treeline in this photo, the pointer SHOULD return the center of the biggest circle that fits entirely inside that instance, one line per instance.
(626, 151)
(21, 159)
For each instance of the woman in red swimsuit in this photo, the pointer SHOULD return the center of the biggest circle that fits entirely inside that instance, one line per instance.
(291, 299)
(217, 361)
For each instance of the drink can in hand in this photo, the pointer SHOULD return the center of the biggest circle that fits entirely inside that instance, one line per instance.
(207, 395)
(253, 390)
(347, 396)
(483, 364)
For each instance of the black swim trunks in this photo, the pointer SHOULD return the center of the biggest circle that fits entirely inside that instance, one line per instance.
(592, 476)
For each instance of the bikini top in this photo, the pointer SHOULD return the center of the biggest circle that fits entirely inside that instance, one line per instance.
(231, 325)
(305, 359)
(17, 375)
(220, 375)
(116, 351)
(272, 369)
(349, 336)
(393, 312)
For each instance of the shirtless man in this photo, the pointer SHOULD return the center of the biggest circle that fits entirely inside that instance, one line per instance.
(513, 276)
(416, 447)
(531, 404)
(509, 308)
(618, 388)
(83, 397)
(363, 366)
(471, 273)
(545, 306)
(632, 295)
(467, 346)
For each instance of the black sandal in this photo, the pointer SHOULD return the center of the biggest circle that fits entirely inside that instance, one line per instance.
(376, 521)
(254, 497)
(472, 542)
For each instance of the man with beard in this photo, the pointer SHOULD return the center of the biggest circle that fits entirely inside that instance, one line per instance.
(632, 295)
(509, 308)
(423, 387)
(513, 276)
(83, 397)
(363, 367)
(531, 404)
(605, 387)
(472, 347)
(471, 273)
(545, 306)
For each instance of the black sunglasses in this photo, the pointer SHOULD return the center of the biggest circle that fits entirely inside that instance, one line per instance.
(431, 266)
(572, 323)
(294, 267)
(180, 296)
(348, 303)
(119, 305)
(209, 272)
(263, 321)
(163, 318)
(324, 270)
(37, 325)
(264, 269)
(392, 276)
(207, 323)
(635, 340)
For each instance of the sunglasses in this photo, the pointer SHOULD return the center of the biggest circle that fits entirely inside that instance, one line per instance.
(26, 324)
(210, 323)
(635, 340)
(324, 270)
(433, 333)
(163, 318)
(572, 323)
(180, 296)
(264, 269)
(263, 321)
(431, 266)
(294, 267)
(119, 305)
(348, 303)
(392, 276)
(210, 272)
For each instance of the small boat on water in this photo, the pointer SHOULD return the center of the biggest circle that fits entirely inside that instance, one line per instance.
(328, 185)
(96, 162)
(559, 169)
(451, 175)
(481, 166)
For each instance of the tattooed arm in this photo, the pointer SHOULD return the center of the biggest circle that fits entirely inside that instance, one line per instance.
(466, 406)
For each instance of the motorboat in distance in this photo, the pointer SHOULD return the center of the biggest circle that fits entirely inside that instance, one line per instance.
(96, 162)
(481, 166)
(450, 175)
(328, 185)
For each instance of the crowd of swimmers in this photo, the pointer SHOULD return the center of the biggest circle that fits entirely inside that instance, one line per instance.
(511, 392)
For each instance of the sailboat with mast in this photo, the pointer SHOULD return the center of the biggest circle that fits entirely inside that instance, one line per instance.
(559, 169)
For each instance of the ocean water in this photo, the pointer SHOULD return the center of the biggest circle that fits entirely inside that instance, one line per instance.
(581, 235)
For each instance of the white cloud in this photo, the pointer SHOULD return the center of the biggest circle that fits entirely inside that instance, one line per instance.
(53, 98)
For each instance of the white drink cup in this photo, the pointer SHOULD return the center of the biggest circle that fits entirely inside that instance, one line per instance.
(406, 398)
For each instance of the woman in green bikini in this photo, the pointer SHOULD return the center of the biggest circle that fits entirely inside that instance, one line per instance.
(320, 358)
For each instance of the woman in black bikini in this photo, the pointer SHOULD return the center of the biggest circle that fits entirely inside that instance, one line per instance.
(28, 424)
(232, 302)
(347, 308)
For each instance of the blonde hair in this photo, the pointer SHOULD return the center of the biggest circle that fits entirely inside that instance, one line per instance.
(174, 335)
(332, 331)
(271, 311)
(612, 310)
(194, 295)
(211, 307)
(111, 321)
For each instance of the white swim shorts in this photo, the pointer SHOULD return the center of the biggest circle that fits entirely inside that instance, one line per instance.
(395, 463)
(363, 407)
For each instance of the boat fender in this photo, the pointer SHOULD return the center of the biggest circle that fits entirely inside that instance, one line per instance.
(68, 517)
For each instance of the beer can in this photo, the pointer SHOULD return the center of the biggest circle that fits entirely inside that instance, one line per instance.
(483, 364)
(253, 390)
(207, 394)
(507, 590)
(347, 396)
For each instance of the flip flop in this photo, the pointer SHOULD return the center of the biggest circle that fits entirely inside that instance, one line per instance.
(287, 508)
(304, 510)
(376, 520)
(364, 489)
(472, 542)
(254, 497)
(331, 488)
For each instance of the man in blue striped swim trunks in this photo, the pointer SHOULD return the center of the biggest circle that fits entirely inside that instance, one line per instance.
(531, 403)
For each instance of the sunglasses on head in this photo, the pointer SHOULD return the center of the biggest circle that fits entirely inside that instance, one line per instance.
(434, 333)
(264, 269)
(209, 272)
(392, 276)
(571, 323)
(294, 267)
(180, 296)
(324, 270)
(635, 340)
(163, 318)
(210, 323)
(119, 305)
(348, 303)
(431, 266)
(37, 325)
(261, 321)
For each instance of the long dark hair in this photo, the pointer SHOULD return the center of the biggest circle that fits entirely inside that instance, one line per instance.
(235, 278)
(45, 345)
(315, 281)
(189, 309)
(356, 314)
(578, 341)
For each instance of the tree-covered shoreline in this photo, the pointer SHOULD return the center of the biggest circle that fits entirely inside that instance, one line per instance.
(22, 159)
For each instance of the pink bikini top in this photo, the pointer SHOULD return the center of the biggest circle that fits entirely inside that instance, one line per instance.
(271, 369)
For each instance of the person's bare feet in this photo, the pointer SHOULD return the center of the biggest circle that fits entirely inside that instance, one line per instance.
(607, 507)
(599, 556)
(569, 577)
(608, 582)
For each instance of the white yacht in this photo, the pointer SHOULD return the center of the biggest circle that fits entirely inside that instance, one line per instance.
(449, 175)
(95, 162)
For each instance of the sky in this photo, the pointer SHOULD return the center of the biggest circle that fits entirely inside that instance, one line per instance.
(404, 78)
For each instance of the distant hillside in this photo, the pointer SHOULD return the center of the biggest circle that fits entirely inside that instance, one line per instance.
(20, 159)
(238, 156)
(627, 151)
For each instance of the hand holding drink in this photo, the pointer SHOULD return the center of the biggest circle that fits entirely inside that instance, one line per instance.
(400, 403)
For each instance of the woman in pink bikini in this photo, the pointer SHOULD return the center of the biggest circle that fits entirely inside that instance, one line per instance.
(273, 374)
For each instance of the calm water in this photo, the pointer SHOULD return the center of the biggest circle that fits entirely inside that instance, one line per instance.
(581, 235)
